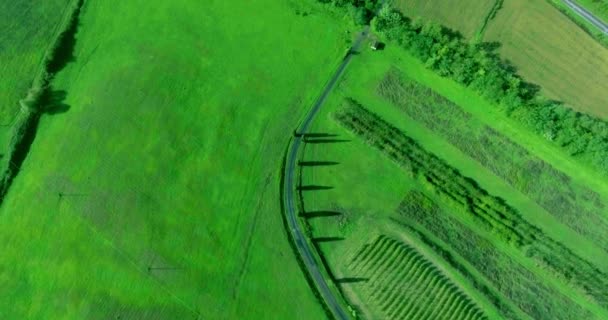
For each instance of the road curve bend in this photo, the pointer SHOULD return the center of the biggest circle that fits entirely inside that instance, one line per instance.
(299, 238)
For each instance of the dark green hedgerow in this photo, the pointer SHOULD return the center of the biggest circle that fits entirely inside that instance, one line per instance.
(490, 212)
(478, 66)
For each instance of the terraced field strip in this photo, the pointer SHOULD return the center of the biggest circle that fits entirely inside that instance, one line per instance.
(487, 211)
(514, 281)
(570, 202)
(402, 284)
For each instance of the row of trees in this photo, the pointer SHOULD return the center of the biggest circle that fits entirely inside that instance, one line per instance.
(362, 11)
(478, 66)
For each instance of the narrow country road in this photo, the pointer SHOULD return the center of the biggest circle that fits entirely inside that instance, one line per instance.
(304, 249)
(587, 16)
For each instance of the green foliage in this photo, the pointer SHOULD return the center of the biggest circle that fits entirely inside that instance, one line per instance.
(571, 203)
(361, 11)
(488, 211)
(479, 67)
(508, 276)
(140, 88)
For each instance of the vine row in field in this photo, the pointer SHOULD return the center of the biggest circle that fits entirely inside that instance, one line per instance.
(404, 285)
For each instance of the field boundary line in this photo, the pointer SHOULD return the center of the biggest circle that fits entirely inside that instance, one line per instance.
(486, 22)
(25, 123)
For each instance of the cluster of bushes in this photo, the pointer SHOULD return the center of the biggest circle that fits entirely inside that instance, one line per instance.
(571, 203)
(491, 212)
(362, 11)
(508, 276)
(478, 66)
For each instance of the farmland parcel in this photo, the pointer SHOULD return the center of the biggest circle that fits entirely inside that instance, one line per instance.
(153, 193)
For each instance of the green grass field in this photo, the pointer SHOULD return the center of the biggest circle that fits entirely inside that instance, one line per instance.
(366, 190)
(27, 30)
(154, 192)
(152, 187)
(598, 7)
(550, 50)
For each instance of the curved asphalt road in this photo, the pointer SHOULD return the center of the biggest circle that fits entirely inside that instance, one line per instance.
(587, 16)
(304, 249)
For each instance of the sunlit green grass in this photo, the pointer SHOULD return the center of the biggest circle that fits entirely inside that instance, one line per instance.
(156, 194)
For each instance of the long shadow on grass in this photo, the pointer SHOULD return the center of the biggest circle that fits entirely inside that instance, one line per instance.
(320, 214)
(314, 188)
(53, 102)
(318, 141)
(327, 239)
(319, 135)
(351, 280)
(65, 44)
(317, 163)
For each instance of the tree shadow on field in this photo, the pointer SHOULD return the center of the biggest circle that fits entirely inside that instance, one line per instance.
(351, 280)
(320, 214)
(327, 239)
(320, 135)
(319, 141)
(66, 42)
(317, 163)
(52, 102)
(313, 188)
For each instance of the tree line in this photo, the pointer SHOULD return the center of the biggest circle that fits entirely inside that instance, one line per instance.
(361, 11)
(478, 66)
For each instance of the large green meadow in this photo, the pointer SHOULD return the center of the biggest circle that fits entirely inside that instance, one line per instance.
(152, 187)
(153, 191)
